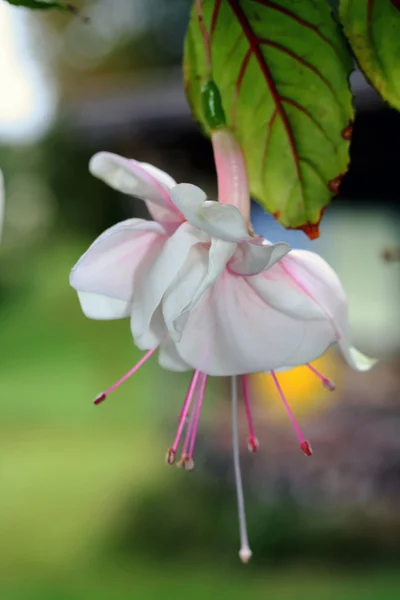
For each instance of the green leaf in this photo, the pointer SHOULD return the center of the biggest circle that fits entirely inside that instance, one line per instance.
(282, 69)
(373, 30)
(37, 4)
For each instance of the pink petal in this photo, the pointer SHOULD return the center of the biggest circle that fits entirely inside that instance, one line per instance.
(234, 330)
(138, 179)
(114, 266)
(221, 221)
(159, 277)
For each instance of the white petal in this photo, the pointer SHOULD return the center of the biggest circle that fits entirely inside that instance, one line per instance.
(222, 221)
(115, 265)
(233, 330)
(137, 179)
(169, 358)
(155, 332)
(160, 276)
(203, 267)
(166, 180)
(251, 259)
(102, 308)
(356, 360)
(319, 282)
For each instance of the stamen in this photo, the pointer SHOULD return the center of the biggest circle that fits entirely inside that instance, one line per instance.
(187, 460)
(182, 418)
(141, 362)
(186, 443)
(327, 383)
(244, 552)
(304, 445)
(197, 416)
(252, 442)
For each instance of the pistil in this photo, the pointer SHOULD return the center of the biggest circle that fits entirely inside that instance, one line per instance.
(244, 552)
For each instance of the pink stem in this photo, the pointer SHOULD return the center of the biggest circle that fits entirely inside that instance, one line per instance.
(304, 445)
(233, 187)
(141, 362)
(185, 410)
(192, 419)
(328, 383)
(198, 412)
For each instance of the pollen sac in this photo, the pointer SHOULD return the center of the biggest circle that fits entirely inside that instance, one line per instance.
(189, 463)
(186, 461)
(99, 398)
(305, 446)
(253, 444)
(329, 385)
(170, 457)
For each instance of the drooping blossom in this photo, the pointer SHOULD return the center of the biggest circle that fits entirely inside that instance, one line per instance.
(214, 298)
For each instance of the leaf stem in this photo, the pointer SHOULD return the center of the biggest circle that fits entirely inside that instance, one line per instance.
(206, 38)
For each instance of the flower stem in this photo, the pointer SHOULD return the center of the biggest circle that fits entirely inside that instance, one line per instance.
(233, 187)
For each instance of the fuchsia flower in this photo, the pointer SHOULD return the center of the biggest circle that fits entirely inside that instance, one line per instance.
(206, 292)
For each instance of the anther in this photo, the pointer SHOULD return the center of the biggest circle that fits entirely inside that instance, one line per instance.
(305, 446)
(189, 463)
(170, 457)
(253, 444)
(100, 398)
(181, 461)
(329, 385)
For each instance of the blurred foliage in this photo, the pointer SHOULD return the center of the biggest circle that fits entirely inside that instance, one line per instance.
(198, 511)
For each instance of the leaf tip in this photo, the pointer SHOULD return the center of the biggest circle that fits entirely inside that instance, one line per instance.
(311, 230)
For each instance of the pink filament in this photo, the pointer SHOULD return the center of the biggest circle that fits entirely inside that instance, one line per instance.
(328, 383)
(192, 419)
(141, 362)
(288, 410)
(246, 395)
(185, 410)
(198, 412)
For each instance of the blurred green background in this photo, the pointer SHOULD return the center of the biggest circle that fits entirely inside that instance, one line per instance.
(88, 508)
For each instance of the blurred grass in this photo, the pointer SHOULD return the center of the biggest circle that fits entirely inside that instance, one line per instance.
(67, 468)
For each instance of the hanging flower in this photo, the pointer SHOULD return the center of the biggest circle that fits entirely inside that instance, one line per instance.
(156, 271)
(213, 298)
